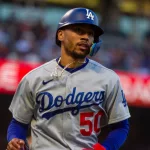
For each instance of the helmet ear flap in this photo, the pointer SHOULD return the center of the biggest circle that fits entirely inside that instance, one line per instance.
(95, 48)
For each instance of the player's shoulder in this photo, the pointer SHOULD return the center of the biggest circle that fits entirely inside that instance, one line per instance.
(40, 70)
(107, 72)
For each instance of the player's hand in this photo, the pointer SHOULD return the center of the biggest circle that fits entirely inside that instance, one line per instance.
(16, 144)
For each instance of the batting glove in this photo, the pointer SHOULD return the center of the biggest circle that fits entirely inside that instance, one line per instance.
(97, 146)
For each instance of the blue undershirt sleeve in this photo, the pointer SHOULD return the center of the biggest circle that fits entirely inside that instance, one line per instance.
(17, 130)
(117, 136)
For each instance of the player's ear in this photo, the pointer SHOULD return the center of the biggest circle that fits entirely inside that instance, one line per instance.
(60, 35)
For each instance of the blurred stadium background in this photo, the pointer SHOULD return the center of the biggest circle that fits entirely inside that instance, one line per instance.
(27, 39)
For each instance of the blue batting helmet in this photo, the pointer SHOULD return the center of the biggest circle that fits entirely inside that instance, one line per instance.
(80, 16)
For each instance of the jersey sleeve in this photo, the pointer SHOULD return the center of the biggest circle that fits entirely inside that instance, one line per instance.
(116, 106)
(22, 104)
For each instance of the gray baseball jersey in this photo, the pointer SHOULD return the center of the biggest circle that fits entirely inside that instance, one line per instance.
(67, 108)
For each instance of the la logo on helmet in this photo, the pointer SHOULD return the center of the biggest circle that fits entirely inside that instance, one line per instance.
(89, 14)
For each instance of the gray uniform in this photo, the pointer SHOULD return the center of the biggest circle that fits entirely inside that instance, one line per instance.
(67, 110)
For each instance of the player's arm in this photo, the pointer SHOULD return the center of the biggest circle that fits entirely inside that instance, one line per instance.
(22, 107)
(16, 135)
(116, 137)
(118, 113)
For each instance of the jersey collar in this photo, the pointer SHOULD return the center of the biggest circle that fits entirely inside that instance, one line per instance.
(71, 70)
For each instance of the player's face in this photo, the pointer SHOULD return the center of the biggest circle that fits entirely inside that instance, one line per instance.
(77, 40)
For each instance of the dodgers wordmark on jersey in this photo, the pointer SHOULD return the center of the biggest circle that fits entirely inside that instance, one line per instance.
(67, 108)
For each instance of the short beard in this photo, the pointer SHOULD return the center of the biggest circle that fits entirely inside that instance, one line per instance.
(75, 55)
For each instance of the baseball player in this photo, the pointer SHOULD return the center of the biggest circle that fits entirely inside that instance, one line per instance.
(69, 99)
